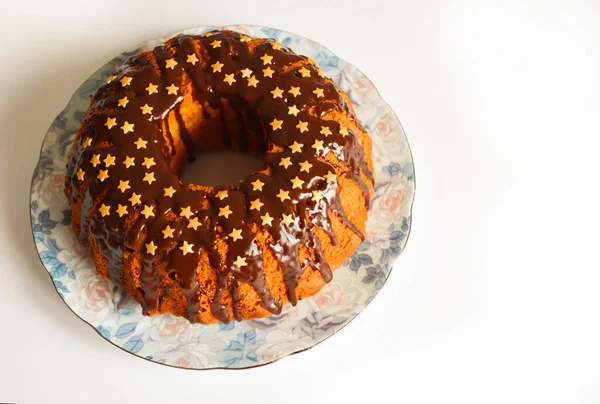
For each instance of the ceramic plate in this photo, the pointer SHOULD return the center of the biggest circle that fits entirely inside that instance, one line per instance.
(174, 341)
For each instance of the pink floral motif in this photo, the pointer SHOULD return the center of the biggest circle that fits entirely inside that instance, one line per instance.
(96, 295)
(53, 185)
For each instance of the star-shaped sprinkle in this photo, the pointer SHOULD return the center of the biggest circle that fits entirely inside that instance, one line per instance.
(317, 195)
(109, 160)
(167, 232)
(222, 194)
(257, 185)
(102, 175)
(192, 59)
(149, 177)
(208, 34)
(297, 183)
(325, 131)
(320, 73)
(276, 124)
(194, 223)
(256, 204)
(245, 38)
(123, 186)
(277, 92)
(129, 161)
(287, 219)
(172, 89)
(151, 247)
(80, 174)
(304, 72)
(252, 82)
(110, 122)
(276, 45)
(87, 142)
(135, 199)
(152, 88)
(125, 81)
(283, 195)
(330, 177)
(319, 92)
(104, 210)
(296, 147)
(122, 210)
(266, 59)
(285, 162)
(169, 191)
(123, 102)
(268, 72)
(146, 109)
(295, 91)
(148, 162)
(318, 145)
(140, 143)
(186, 248)
(186, 212)
(229, 79)
(127, 127)
(95, 160)
(225, 212)
(110, 79)
(293, 110)
(246, 73)
(170, 63)
(266, 219)
(302, 126)
(240, 262)
(236, 234)
(217, 66)
(215, 44)
(305, 167)
(147, 211)
(344, 131)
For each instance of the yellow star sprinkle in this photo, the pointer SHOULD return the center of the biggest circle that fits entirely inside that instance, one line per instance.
(296, 147)
(252, 82)
(330, 177)
(129, 161)
(147, 212)
(192, 59)
(317, 196)
(257, 185)
(293, 110)
(277, 92)
(325, 131)
(283, 195)
(167, 232)
(110, 79)
(123, 102)
(80, 174)
(122, 210)
(320, 73)
(151, 247)
(215, 44)
(102, 175)
(297, 183)
(319, 92)
(170, 63)
(95, 160)
(141, 144)
(304, 72)
(344, 131)
(149, 177)
(268, 72)
(285, 162)
(222, 194)
(172, 89)
(266, 219)
(148, 162)
(169, 191)
(125, 81)
(123, 186)
(186, 248)
(246, 73)
(318, 145)
(276, 124)
(186, 212)
(256, 204)
(287, 219)
(109, 160)
(87, 142)
(208, 34)
(229, 79)
(194, 223)
(236, 234)
(217, 67)
(295, 91)
(146, 109)
(240, 262)
(266, 59)
(110, 122)
(245, 38)
(104, 210)
(276, 46)
(135, 199)
(127, 127)
(152, 88)
(302, 126)
(305, 167)
(225, 212)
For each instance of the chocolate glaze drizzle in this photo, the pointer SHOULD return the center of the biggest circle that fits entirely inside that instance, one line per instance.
(249, 129)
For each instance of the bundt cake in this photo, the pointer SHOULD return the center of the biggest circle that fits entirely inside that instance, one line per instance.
(219, 253)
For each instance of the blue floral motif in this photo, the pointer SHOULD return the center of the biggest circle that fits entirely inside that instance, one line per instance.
(104, 332)
(134, 345)
(241, 352)
(125, 330)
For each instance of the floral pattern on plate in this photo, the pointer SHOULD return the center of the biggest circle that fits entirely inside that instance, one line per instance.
(174, 341)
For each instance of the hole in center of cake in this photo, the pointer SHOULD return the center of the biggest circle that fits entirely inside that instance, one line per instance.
(220, 168)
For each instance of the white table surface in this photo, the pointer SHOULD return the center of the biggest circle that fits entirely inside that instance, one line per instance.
(496, 298)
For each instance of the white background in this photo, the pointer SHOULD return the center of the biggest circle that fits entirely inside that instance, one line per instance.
(496, 298)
